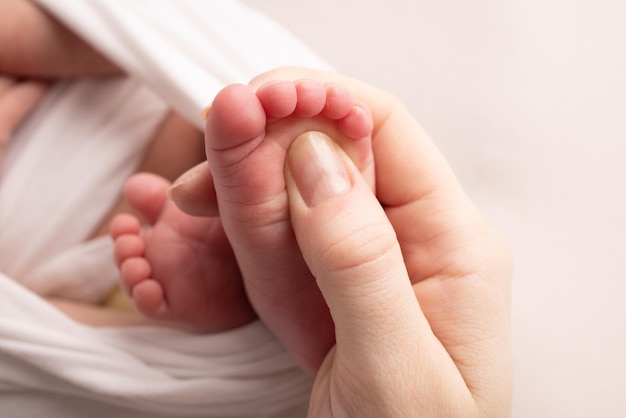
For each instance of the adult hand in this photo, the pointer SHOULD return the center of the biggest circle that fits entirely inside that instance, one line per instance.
(417, 283)
(419, 334)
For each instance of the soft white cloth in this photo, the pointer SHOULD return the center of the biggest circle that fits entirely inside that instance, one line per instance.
(60, 176)
(53, 367)
(184, 50)
(66, 166)
(84, 272)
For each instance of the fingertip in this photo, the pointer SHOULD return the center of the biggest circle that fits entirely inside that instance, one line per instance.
(194, 192)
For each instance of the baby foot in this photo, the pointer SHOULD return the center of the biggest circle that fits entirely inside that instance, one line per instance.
(180, 269)
(247, 136)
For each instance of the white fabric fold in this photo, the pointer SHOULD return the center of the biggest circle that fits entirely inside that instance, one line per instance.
(62, 173)
(66, 165)
(84, 272)
(184, 50)
(150, 371)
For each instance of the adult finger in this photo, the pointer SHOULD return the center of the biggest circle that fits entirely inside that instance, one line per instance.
(350, 247)
(194, 193)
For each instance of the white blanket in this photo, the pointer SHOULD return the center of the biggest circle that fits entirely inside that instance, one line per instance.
(61, 174)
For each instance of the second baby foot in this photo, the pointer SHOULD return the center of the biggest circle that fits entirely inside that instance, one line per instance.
(179, 269)
(247, 136)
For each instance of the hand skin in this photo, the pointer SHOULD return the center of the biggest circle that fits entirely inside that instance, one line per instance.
(418, 284)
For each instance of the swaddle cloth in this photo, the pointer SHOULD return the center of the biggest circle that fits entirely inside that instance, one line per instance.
(53, 367)
(184, 50)
(61, 174)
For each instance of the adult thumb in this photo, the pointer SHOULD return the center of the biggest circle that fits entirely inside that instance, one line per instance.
(349, 245)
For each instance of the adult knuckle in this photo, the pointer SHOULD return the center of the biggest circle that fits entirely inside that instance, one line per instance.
(359, 248)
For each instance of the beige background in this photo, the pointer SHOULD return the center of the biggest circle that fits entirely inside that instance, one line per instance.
(527, 98)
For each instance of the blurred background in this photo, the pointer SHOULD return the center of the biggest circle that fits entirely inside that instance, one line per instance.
(527, 99)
